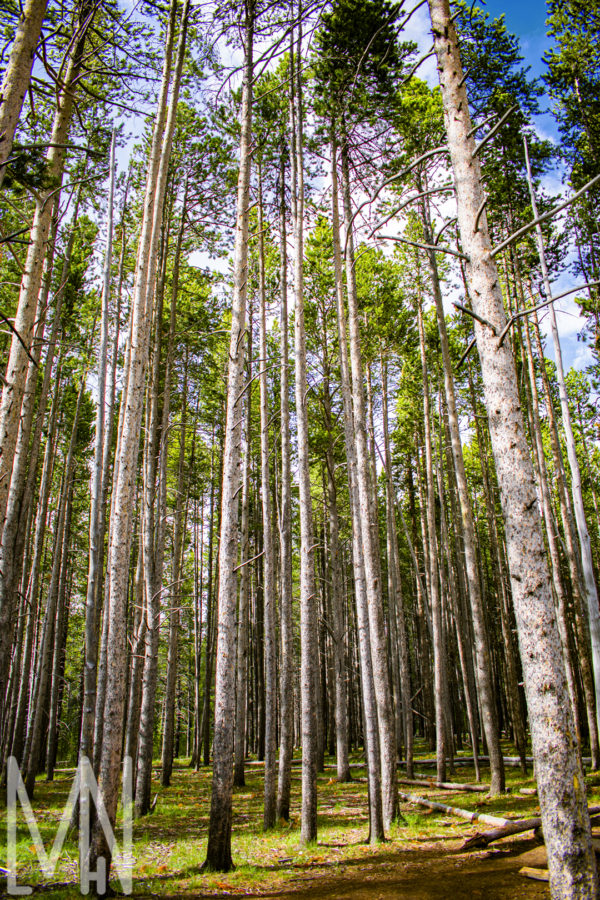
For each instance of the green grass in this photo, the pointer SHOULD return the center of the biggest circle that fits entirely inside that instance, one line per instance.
(170, 845)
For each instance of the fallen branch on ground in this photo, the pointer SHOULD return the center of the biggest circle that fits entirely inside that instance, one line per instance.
(536, 874)
(454, 810)
(515, 827)
(445, 785)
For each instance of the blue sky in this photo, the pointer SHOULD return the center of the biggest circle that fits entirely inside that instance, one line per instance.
(527, 20)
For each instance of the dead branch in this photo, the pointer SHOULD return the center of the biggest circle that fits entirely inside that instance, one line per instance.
(445, 785)
(455, 811)
(482, 839)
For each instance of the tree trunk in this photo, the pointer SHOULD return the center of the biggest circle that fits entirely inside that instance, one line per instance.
(34, 739)
(16, 371)
(241, 675)
(483, 668)
(558, 768)
(439, 653)
(396, 600)
(367, 682)
(286, 672)
(582, 528)
(268, 561)
(17, 75)
(218, 853)
(91, 600)
(308, 596)
(379, 652)
(128, 442)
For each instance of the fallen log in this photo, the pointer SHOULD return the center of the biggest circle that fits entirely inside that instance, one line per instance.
(512, 761)
(445, 785)
(516, 826)
(454, 810)
(536, 874)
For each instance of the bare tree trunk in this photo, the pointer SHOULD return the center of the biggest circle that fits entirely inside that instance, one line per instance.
(483, 668)
(308, 596)
(60, 639)
(367, 681)
(562, 616)
(501, 579)
(218, 854)
(580, 619)
(132, 726)
(128, 443)
(286, 735)
(379, 652)
(14, 384)
(175, 616)
(95, 531)
(268, 561)
(34, 739)
(32, 592)
(335, 568)
(582, 528)
(17, 75)
(558, 768)
(439, 653)
(153, 532)
(396, 600)
(241, 675)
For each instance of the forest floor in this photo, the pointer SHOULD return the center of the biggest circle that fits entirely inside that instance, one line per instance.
(422, 860)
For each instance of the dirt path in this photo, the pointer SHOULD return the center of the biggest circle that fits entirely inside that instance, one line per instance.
(423, 874)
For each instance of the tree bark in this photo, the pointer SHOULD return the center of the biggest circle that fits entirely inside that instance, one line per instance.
(379, 652)
(585, 546)
(483, 667)
(268, 561)
(218, 854)
(286, 672)
(367, 682)
(128, 442)
(560, 778)
(308, 595)
(95, 530)
(17, 75)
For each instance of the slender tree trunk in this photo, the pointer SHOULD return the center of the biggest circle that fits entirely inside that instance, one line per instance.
(335, 568)
(559, 775)
(218, 854)
(579, 614)
(17, 75)
(34, 739)
(308, 595)
(483, 668)
(60, 640)
(153, 531)
(14, 383)
(439, 653)
(268, 560)
(128, 443)
(379, 652)
(175, 615)
(32, 593)
(582, 528)
(241, 675)
(396, 600)
(91, 601)
(367, 681)
(132, 725)
(286, 735)
(562, 616)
